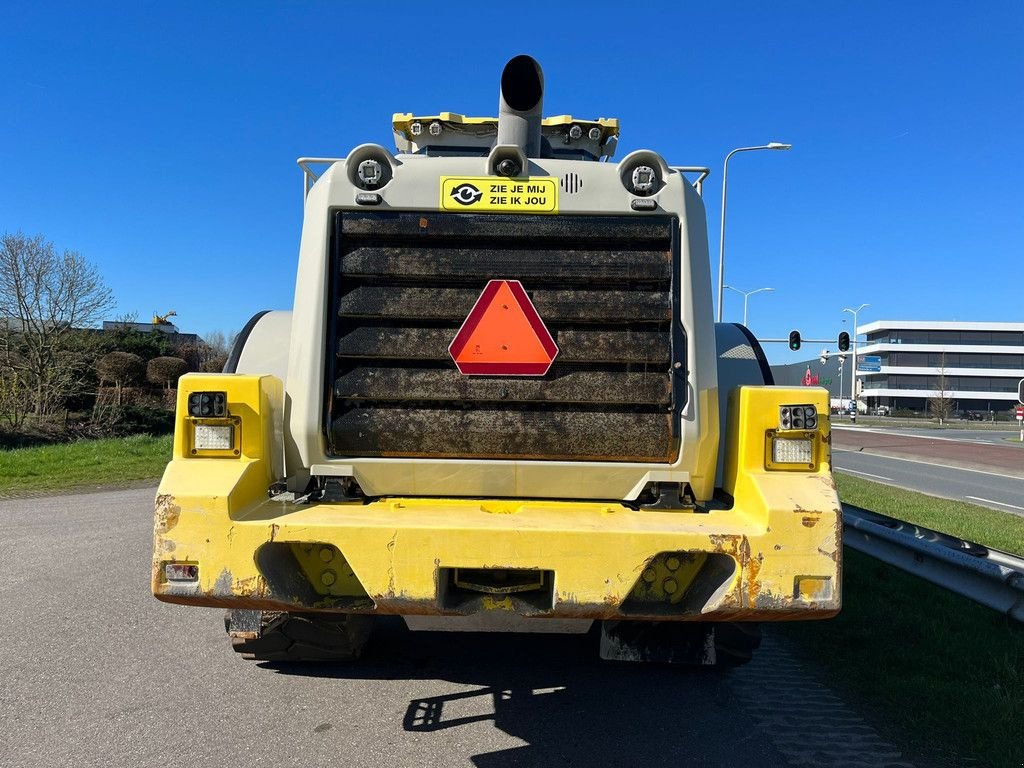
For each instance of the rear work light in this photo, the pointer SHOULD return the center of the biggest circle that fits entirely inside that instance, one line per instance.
(787, 450)
(793, 445)
(214, 437)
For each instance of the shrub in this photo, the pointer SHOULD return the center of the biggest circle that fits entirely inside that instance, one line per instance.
(122, 368)
(165, 371)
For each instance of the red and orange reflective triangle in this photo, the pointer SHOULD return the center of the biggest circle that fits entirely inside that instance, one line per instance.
(503, 335)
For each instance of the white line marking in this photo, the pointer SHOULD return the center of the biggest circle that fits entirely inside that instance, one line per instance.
(990, 501)
(931, 464)
(866, 474)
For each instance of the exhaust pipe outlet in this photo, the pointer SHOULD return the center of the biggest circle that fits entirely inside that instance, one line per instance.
(521, 104)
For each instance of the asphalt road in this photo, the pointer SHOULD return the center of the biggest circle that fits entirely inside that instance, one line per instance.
(969, 465)
(987, 489)
(98, 673)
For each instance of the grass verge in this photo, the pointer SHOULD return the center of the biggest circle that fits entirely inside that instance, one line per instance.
(999, 530)
(932, 667)
(84, 462)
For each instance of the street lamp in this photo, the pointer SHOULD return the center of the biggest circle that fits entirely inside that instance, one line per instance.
(721, 236)
(853, 371)
(745, 295)
(842, 367)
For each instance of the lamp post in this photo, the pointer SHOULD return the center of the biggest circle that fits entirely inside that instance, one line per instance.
(853, 370)
(721, 236)
(745, 295)
(842, 367)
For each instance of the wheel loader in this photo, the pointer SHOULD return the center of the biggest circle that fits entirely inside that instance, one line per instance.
(500, 403)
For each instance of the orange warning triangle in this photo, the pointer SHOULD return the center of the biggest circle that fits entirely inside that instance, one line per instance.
(503, 335)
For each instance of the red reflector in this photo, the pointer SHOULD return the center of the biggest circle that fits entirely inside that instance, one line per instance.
(503, 335)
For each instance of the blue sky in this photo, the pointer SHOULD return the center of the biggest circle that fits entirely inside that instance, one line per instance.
(159, 139)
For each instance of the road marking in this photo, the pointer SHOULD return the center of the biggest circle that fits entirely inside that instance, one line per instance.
(866, 474)
(931, 464)
(991, 501)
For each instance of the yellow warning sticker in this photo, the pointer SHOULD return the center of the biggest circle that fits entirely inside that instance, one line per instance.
(494, 194)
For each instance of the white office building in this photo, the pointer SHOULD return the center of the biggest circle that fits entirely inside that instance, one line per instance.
(980, 364)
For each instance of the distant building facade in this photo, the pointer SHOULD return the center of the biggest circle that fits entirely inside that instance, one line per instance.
(814, 373)
(171, 330)
(981, 364)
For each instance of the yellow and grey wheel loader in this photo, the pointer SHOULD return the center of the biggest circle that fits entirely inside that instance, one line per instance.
(500, 402)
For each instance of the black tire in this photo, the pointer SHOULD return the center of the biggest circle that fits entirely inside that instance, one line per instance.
(297, 637)
(735, 643)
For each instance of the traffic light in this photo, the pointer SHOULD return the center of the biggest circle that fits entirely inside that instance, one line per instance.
(794, 340)
(844, 342)
(824, 357)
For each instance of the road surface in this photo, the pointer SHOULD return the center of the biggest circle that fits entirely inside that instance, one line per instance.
(98, 673)
(1004, 437)
(986, 489)
(969, 466)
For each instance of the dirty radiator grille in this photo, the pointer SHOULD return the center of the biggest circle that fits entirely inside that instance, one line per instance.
(403, 283)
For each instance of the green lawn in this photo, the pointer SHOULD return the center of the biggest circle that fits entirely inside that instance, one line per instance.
(83, 463)
(999, 530)
(936, 670)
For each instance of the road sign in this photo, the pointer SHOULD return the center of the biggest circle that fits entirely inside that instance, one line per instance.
(1020, 391)
(869, 363)
(1020, 413)
(503, 335)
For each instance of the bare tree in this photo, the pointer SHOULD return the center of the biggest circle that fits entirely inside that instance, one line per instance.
(941, 403)
(46, 298)
(217, 347)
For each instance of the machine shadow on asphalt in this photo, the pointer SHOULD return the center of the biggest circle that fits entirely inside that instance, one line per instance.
(554, 693)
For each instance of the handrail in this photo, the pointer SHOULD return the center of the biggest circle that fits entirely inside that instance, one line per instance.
(987, 576)
(698, 183)
(309, 175)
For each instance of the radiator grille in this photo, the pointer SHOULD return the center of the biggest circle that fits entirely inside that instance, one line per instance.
(403, 283)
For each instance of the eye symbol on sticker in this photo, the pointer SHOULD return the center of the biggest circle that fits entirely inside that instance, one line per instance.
(466, 194)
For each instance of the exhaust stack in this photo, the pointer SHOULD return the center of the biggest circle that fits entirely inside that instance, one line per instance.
(521, 104)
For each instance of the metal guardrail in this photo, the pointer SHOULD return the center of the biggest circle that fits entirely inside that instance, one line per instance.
(987, 576)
